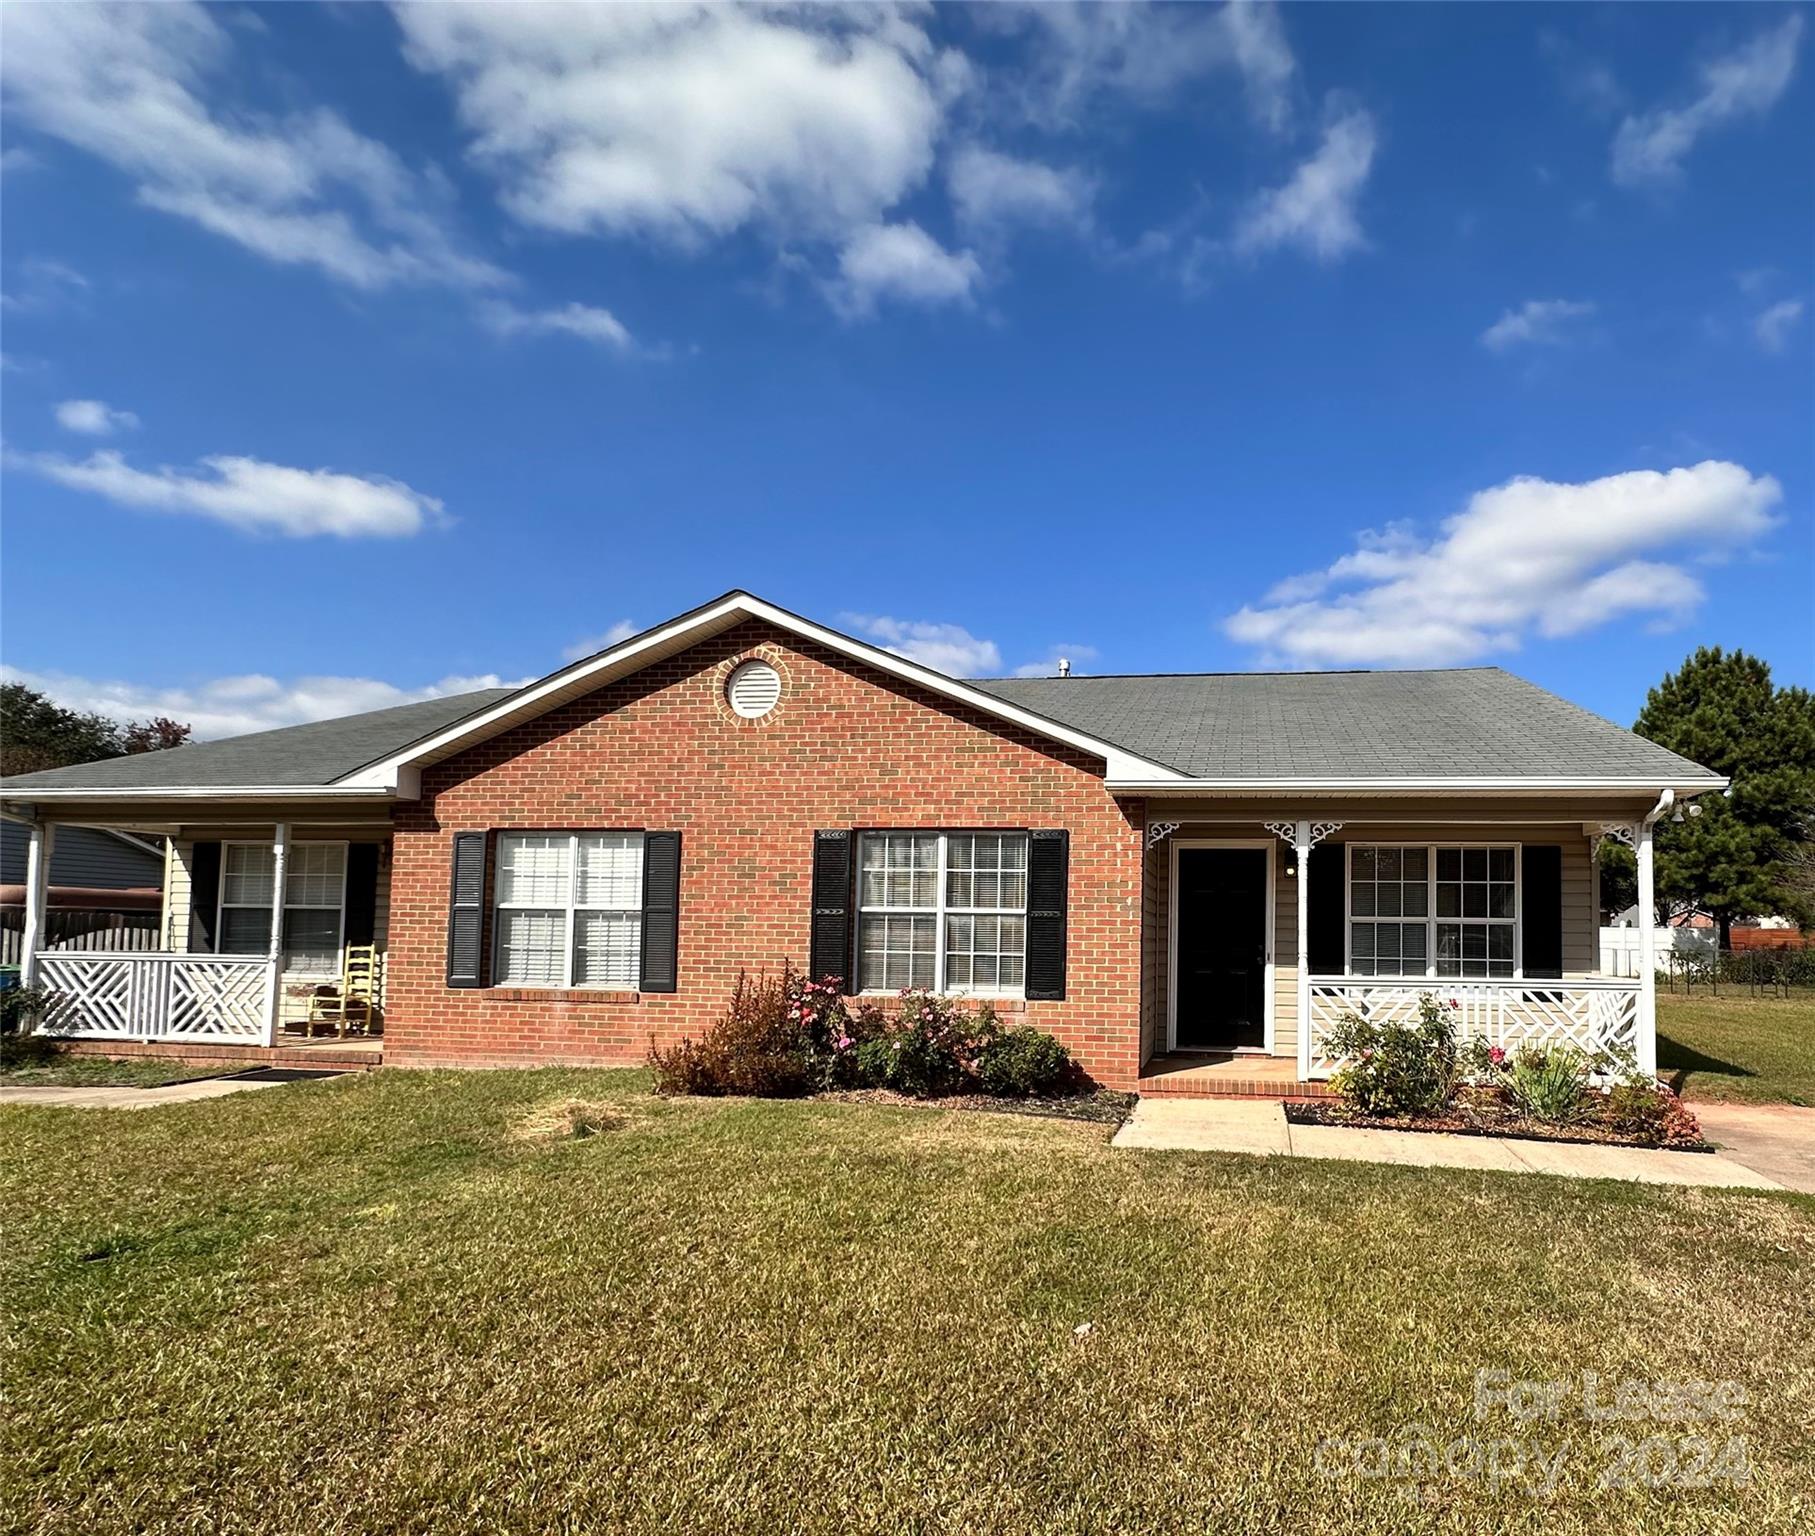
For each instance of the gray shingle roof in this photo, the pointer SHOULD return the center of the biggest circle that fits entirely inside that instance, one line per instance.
(1474, 722)
(1477, 722)
(317, 753)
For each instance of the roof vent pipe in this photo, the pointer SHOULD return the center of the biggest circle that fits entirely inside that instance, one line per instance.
(1064, 667)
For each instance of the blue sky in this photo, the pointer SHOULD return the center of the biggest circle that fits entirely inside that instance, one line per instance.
(352, 354)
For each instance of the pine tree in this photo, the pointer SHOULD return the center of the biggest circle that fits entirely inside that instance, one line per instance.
(1742, 856)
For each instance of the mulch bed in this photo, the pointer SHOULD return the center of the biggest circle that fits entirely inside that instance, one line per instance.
(1456, 1125)
(1101, 1107)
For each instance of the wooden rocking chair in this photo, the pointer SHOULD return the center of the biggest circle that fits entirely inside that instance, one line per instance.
(352, 1007)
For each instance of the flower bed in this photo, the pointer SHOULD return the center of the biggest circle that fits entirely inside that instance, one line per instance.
(783, 1037)
(1418, 1077)
(1511, 1127)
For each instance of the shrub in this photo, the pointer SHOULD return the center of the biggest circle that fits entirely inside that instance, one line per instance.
(928, 1050)
(759, 1046)
(1651, 1112)
(1550, 1083)
(22, 1005)
(1396, 1068)
(1022, 1062)
(785, 1036)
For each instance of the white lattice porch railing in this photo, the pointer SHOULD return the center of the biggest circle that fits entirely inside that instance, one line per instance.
(1595, 1013)
(116, 995)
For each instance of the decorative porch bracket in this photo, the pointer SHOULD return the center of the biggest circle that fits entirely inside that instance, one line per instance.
(1301, 837)
(1158, 832)
(1620, 832)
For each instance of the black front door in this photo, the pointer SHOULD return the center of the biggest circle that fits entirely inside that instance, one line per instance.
(1222, 948)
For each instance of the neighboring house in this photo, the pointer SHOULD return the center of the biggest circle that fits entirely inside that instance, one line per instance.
(87, 859)
(1141, 865)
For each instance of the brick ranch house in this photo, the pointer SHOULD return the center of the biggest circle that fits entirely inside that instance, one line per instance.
(1164, 871)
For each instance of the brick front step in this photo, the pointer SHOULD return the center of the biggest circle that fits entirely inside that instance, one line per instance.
(328, 1055)
(1189, 1076)
(1287, 1092)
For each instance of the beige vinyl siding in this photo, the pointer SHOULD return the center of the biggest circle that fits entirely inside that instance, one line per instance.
(1432, 821)
(1157, 882)
(293, 1005)
(1285, 953)
(178, 880)
(1581, 929)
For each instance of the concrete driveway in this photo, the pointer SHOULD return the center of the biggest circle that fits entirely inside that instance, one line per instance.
(1260, 1127)
(1777, 1140)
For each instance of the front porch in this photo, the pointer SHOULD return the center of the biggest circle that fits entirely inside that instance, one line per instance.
(1264, 925)
(272, 941)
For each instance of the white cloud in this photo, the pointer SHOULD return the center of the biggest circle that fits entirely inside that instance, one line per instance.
(992, 192)
(1773, 326)
(689, 122)
(1049, 667)
(232, 706)
(585, 321)
(94, 417)
(127, 84)
(947, 648)
(249, 494)
(1314, 212)
(1147, 54)
(591, 645)
(1650, 147)
(44, 284)
(900, 261)
(1536, 323)
(1529, 556)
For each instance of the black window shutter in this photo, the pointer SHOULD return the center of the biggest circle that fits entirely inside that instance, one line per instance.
(362, 892)
(829, 942)
(204, 896)
(1048, 883)
(661, 910)
(1324, 920)
(466, 912)
(1541, 908)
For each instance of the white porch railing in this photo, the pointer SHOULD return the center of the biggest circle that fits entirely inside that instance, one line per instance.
(1598, 1013)
(116, 995)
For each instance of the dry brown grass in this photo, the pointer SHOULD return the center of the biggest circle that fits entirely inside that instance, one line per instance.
(383, 1305)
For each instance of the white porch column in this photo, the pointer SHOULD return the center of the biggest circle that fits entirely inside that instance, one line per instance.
(274, 956)
(1301, 848)
(38, 850)
(1647, 1041)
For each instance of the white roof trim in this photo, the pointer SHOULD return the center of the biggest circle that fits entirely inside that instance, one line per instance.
(677, 635)
(30, 796)
(1534, 784)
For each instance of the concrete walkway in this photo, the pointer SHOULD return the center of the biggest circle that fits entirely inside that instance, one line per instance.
(1239, 1125)
(131, 1098)
(1775, 1139)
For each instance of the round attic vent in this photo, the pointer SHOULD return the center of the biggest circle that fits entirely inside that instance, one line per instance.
(753, 689)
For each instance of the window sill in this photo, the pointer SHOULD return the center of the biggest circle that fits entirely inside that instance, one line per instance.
(1004, 1003)
(560, 995)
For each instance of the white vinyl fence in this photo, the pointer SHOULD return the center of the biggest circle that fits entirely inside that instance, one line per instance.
(1620, 948)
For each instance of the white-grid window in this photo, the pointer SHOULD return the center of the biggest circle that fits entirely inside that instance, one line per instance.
(315, 900)
(569, 909)
(1477, 909)
(942, 910)
(1433, 911)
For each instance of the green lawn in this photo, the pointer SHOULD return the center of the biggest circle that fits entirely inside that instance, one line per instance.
(380, 1304)
(61, 1071)
(1735, 1047)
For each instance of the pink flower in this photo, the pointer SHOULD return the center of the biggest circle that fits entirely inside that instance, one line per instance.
(1496, 1055)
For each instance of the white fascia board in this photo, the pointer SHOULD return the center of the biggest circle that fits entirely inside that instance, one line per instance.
(1406, 786)
(32, 796)
(583, 677)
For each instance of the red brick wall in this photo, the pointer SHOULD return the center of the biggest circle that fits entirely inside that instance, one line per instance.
(846, 747)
